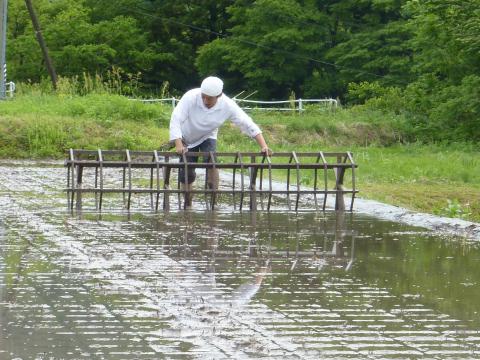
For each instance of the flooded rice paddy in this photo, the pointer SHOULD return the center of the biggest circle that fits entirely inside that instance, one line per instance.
(224, 284)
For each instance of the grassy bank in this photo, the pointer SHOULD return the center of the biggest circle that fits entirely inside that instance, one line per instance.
(40, 126)
(441, 179)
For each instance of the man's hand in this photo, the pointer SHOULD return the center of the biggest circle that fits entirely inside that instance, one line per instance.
(267, 151)
(179, 147)
(263, 145)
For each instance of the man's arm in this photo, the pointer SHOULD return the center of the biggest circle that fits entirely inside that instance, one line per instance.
(176, 132)
(179, 147)
(178, 116)
(248, 126)
(263, 144)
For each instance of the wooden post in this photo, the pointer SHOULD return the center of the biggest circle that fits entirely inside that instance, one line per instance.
(41, 42)
(166, 185)
(339, 175)
(79, 187)
(253, 180)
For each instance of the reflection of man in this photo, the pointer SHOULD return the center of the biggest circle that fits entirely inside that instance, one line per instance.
(245, 292)
(195, 121)
(205, 286)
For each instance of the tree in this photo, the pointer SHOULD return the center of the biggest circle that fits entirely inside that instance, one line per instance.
(446, 41)
(372, 42)
(76, 44)
(273, 46)
(177, 29)
(446, 47)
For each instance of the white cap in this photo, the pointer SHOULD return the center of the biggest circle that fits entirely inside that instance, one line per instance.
(212, 86)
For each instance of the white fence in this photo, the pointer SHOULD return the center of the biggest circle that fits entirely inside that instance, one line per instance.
(283, 105)
(10, 88)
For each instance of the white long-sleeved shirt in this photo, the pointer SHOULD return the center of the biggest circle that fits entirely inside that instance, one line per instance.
(193, 122)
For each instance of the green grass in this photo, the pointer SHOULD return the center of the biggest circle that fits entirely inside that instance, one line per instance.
(434, 178)
(103, 108)
(45, 125)
(441, 179)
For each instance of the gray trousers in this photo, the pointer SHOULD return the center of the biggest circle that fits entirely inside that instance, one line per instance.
(206, 146)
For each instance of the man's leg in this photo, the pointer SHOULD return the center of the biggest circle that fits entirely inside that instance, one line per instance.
(213, 178)
(188, 195)
(210, 145)
(191, 175)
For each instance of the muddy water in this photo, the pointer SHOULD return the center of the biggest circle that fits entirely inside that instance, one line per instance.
(225, 284)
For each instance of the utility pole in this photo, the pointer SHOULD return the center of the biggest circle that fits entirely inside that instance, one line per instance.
(41, 42)
(3, 46)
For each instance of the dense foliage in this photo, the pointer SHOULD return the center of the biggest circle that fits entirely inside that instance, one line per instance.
(416, 58)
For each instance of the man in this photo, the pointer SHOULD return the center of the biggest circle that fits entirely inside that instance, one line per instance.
(195, 121)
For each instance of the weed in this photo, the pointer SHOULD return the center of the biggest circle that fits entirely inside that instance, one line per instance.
(455, 209)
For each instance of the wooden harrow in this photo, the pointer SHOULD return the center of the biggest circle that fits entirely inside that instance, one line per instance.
(253, 176)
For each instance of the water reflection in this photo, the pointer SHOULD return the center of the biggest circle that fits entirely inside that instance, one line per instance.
(263, 237)
(217, 285)
(206, 281)
(240, 252)
(411, 263)
(236, 285)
